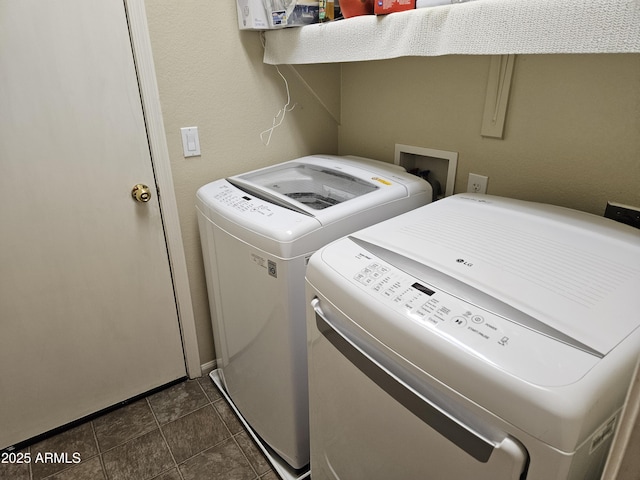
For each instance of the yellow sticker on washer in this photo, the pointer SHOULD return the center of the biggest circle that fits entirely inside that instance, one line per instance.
(381, 180)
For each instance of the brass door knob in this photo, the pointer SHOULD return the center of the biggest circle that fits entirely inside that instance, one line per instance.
(141, 193)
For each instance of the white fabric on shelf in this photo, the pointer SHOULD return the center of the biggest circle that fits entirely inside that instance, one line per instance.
(480, 27)
(432, 3)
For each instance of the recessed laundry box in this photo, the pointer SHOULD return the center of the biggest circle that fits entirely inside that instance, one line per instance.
(475, 337)
(258, 231)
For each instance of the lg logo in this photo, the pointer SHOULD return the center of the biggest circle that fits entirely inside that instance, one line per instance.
(465, 263)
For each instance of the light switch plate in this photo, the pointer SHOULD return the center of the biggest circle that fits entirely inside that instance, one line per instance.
(190, 141)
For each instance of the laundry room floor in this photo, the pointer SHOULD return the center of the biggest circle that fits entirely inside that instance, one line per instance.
(186, 432)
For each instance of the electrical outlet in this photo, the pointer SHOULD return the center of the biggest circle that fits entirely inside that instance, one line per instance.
(623, 213)
(477, 183)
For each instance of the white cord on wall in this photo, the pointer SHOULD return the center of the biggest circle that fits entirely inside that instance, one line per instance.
(279, 117)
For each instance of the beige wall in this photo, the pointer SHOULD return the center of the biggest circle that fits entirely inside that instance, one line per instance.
(572, 134)
(211, 75)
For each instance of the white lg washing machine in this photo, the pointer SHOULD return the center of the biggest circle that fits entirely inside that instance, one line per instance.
(258, 231)
(476, 337)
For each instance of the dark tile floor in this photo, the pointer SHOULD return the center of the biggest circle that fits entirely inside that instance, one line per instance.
(186, 432)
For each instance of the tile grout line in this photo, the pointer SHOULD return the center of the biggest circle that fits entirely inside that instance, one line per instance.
(135, 437)
(100, 459)
(210, 403)
(233, 436)
(164, 439)
(244, 453)
(140, 435)
(70, 467)
(30, 467)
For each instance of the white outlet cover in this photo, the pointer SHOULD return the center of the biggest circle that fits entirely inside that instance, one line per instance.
(477, 183)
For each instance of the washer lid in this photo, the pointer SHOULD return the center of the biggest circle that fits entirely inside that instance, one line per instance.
(327, 188)
(575, 274)
(307, 187)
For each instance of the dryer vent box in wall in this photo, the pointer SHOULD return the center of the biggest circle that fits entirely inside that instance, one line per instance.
(438, 167)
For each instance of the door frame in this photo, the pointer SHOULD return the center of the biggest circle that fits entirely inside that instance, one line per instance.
(145, 69)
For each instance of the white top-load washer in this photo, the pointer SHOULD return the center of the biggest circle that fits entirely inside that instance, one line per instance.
(258, 231)
(476, 337)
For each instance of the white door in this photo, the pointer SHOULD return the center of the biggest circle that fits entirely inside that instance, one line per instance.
(87, 311)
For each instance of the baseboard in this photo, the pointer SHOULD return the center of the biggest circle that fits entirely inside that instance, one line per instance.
(208, 367)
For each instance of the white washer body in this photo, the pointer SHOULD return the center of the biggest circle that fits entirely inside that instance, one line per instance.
(476, 337)
(258, 231)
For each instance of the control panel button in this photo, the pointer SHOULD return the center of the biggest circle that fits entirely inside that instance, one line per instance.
(459, 321)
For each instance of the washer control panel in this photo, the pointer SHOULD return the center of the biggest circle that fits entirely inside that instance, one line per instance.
(242, 202)
(428, 306)
(469, 328)
(220, 199)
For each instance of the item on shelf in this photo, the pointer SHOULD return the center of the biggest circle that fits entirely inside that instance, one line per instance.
(327, 10)
(382, 7)
(472, 28)
(274, 14)
(435, 3)
(354, 8)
